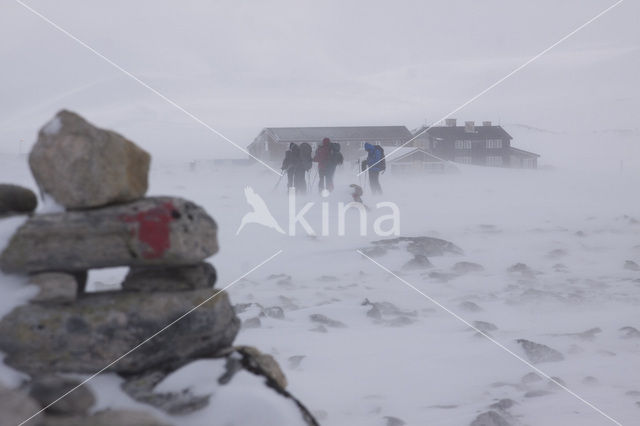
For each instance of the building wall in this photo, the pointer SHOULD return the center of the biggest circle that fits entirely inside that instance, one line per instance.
(483, 152)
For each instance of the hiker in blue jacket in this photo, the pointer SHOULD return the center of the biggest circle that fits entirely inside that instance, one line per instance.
(375, 166)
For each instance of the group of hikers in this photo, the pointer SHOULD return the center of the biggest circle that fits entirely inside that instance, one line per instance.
(298, 160)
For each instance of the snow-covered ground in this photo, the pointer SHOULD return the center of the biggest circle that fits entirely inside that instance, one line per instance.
(416, 362)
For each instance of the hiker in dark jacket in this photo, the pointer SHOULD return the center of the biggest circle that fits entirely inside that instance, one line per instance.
(375, 165)
(292, 164)
(325, 167)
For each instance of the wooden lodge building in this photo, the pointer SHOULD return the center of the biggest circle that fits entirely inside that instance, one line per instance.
(485, 145)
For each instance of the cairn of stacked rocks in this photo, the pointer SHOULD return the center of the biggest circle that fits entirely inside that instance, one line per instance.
(101, 179)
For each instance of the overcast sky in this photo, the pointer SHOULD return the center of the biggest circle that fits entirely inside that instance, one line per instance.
(242, 66)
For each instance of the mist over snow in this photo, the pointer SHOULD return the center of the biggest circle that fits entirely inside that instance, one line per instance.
(555, 246)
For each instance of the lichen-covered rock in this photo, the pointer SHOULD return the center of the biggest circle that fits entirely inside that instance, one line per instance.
(48, 388)
(170, 278)
(151, 232)
(55, 287)
(82, 166)
(16, 199)
(100, 327)
(263, 364)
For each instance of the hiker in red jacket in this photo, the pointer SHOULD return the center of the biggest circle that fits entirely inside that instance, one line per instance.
(323, 158)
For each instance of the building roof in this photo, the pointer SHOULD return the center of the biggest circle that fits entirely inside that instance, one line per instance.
(360, 133)
(522, 152)
(459, 132)
(395, 154)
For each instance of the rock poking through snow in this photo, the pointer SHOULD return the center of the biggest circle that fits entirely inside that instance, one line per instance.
(160, 231)
(82, 166)
(490, 418)
(538, 353)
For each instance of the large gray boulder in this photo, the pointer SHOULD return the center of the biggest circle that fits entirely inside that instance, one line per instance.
(100, 327)
(171, 278)
(82, 166)
(16, 199)
(150, 232)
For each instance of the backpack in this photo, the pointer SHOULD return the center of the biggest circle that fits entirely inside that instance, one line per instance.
(336, 155)
(305, 156)
(382, 164)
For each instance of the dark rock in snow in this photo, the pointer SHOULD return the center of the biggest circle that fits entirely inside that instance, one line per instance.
(442, 276)
(538, 353)
(295, 361)
(484, 326)
(327, 279)
(521, 269)
(374, 251)
(16, 199)
(55, 287)
(419, 261)
(490, 418)
(425, 246)
(530, 378)
(82, 166)
(536, 393)
(265, 364)
(274, 312)
(631, 265)
(630, 333)
(100, 327)
(503, 404)
(49, 387)
(252, 323)
(160, 231)
(324, 320)
(394, 421)
(467, 267)
(170, 278)
(470, 306)
(556, 254)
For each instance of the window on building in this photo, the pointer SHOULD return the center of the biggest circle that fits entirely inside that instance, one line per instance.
(460, 144)
(462, 159)
(494, 160)
(494, 143)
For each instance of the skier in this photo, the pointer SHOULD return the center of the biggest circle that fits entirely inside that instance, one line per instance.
(325, 168)
(295, 169)
(375, 166)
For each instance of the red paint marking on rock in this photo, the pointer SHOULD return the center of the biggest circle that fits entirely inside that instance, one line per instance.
(153, 229)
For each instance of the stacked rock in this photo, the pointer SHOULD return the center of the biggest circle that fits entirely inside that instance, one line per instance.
(101, 178)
